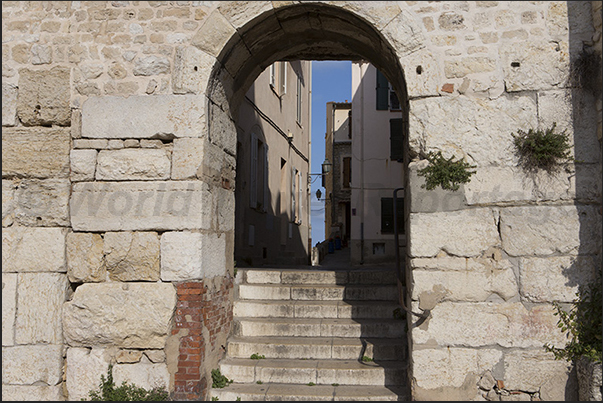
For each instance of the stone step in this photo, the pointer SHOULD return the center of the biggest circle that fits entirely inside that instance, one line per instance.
(315, 309)
(318, 292)
(313, 327)
(324, 277)
(339, 348)
(289, 392)
(319, 372)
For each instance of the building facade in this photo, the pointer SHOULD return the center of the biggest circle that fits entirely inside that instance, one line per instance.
(272, 223)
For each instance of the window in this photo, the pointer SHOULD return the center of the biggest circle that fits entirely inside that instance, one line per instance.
(386, 96)
(258, 180)
(387, 215)
(278, 78)
(347, 172)
(299, 100)
(293, 194)
(396, 139)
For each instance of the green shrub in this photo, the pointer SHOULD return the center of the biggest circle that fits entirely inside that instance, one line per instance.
(126, 392)
(219, 381)
(366, 359)
(542, 149)
(582, 325)
(447, 173)
(256, 356)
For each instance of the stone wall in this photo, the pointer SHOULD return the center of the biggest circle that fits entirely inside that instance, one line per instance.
(118, 170)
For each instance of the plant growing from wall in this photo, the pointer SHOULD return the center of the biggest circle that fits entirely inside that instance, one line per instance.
(542, 149)
(582, 324)
(126, 392)
(219, 381)
(446, 173)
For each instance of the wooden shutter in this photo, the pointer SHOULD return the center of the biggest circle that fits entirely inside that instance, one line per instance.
(266, 197)
(382, 92)
(396, 139)
(347, 170)
(253, 172)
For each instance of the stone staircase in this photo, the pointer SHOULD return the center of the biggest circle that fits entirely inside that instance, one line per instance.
(325, 335)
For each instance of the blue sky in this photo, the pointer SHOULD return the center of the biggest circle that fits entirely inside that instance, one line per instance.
(331, 81)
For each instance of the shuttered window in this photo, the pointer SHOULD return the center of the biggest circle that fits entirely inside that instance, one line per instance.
(387, 215)
(382, 92)
(396, 139)
(347, 172)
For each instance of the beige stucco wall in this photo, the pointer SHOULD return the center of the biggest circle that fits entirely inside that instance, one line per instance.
(119, 121)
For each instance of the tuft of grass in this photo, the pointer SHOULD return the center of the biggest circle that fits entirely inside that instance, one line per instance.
(259, 382)
(214, 398)
(311, 384)
(126, 392)
(446, 173)
(542, 149)
(334, 384)
(256, 356)
(366, 359)
(219, 381)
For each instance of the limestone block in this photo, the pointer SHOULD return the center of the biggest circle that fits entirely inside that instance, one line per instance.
(192, 68)
(440, 263)
(481, 131)
(555, 278)
(467, 285)
(9, 308)
(422, 73)
(586, 184)
(21, 393)
(44, 97)
(139, 206)
(83, 165)
(132, 256)
(459, 233)
(33, 249)
(131, 315)
(85, 258)
(502, 324)
(8, 202)
(156, 116)
(128, 356)
(155, 355)
(239, 13)
(529, 370)
(144, 374)
(9, 105)
(544, 230)
(405, 33)
(43, 203)
(187, 157)
(83, 371)
(41, 54)
(151, 65)
(542, 65)
(590, 380)
(213, 34)
(192, 256)
(223, 129)
(448, 367)
(38, 152)
(226, 210)
(26, 365)
(133, 164)
(39, 302)
(87, 143)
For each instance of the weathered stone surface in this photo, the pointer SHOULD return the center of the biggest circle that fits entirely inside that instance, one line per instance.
(38, 152)
(41, 54)
(213, 34)
(435, 368)
(529, 370)
(144, 374)
(8, 202)
(192, 256)
(192, 68)
(468, 285)
(422, 73)
(544, 230)
(135, 206)
(226, 209)
(83, 165)
(151, 65)
(85, 258)
(590, 379)
(132, 256)
(468, 65)
(404, 33)
(43, 203)
(9, 308)
(156, 116)
(83, 371)
(378, 13)
(39, 302)
(239, 13)
(502, 324)
(155, 355)
(9, 105)
(26, 365)
(221, 134)
(128, 356)
(459, 233)
(187, 157)
(44, 97)
(133, 164)
(133, 315)
(33, 249)
(22, 393)
(481, 131)
(555, 278)
(542, 65)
